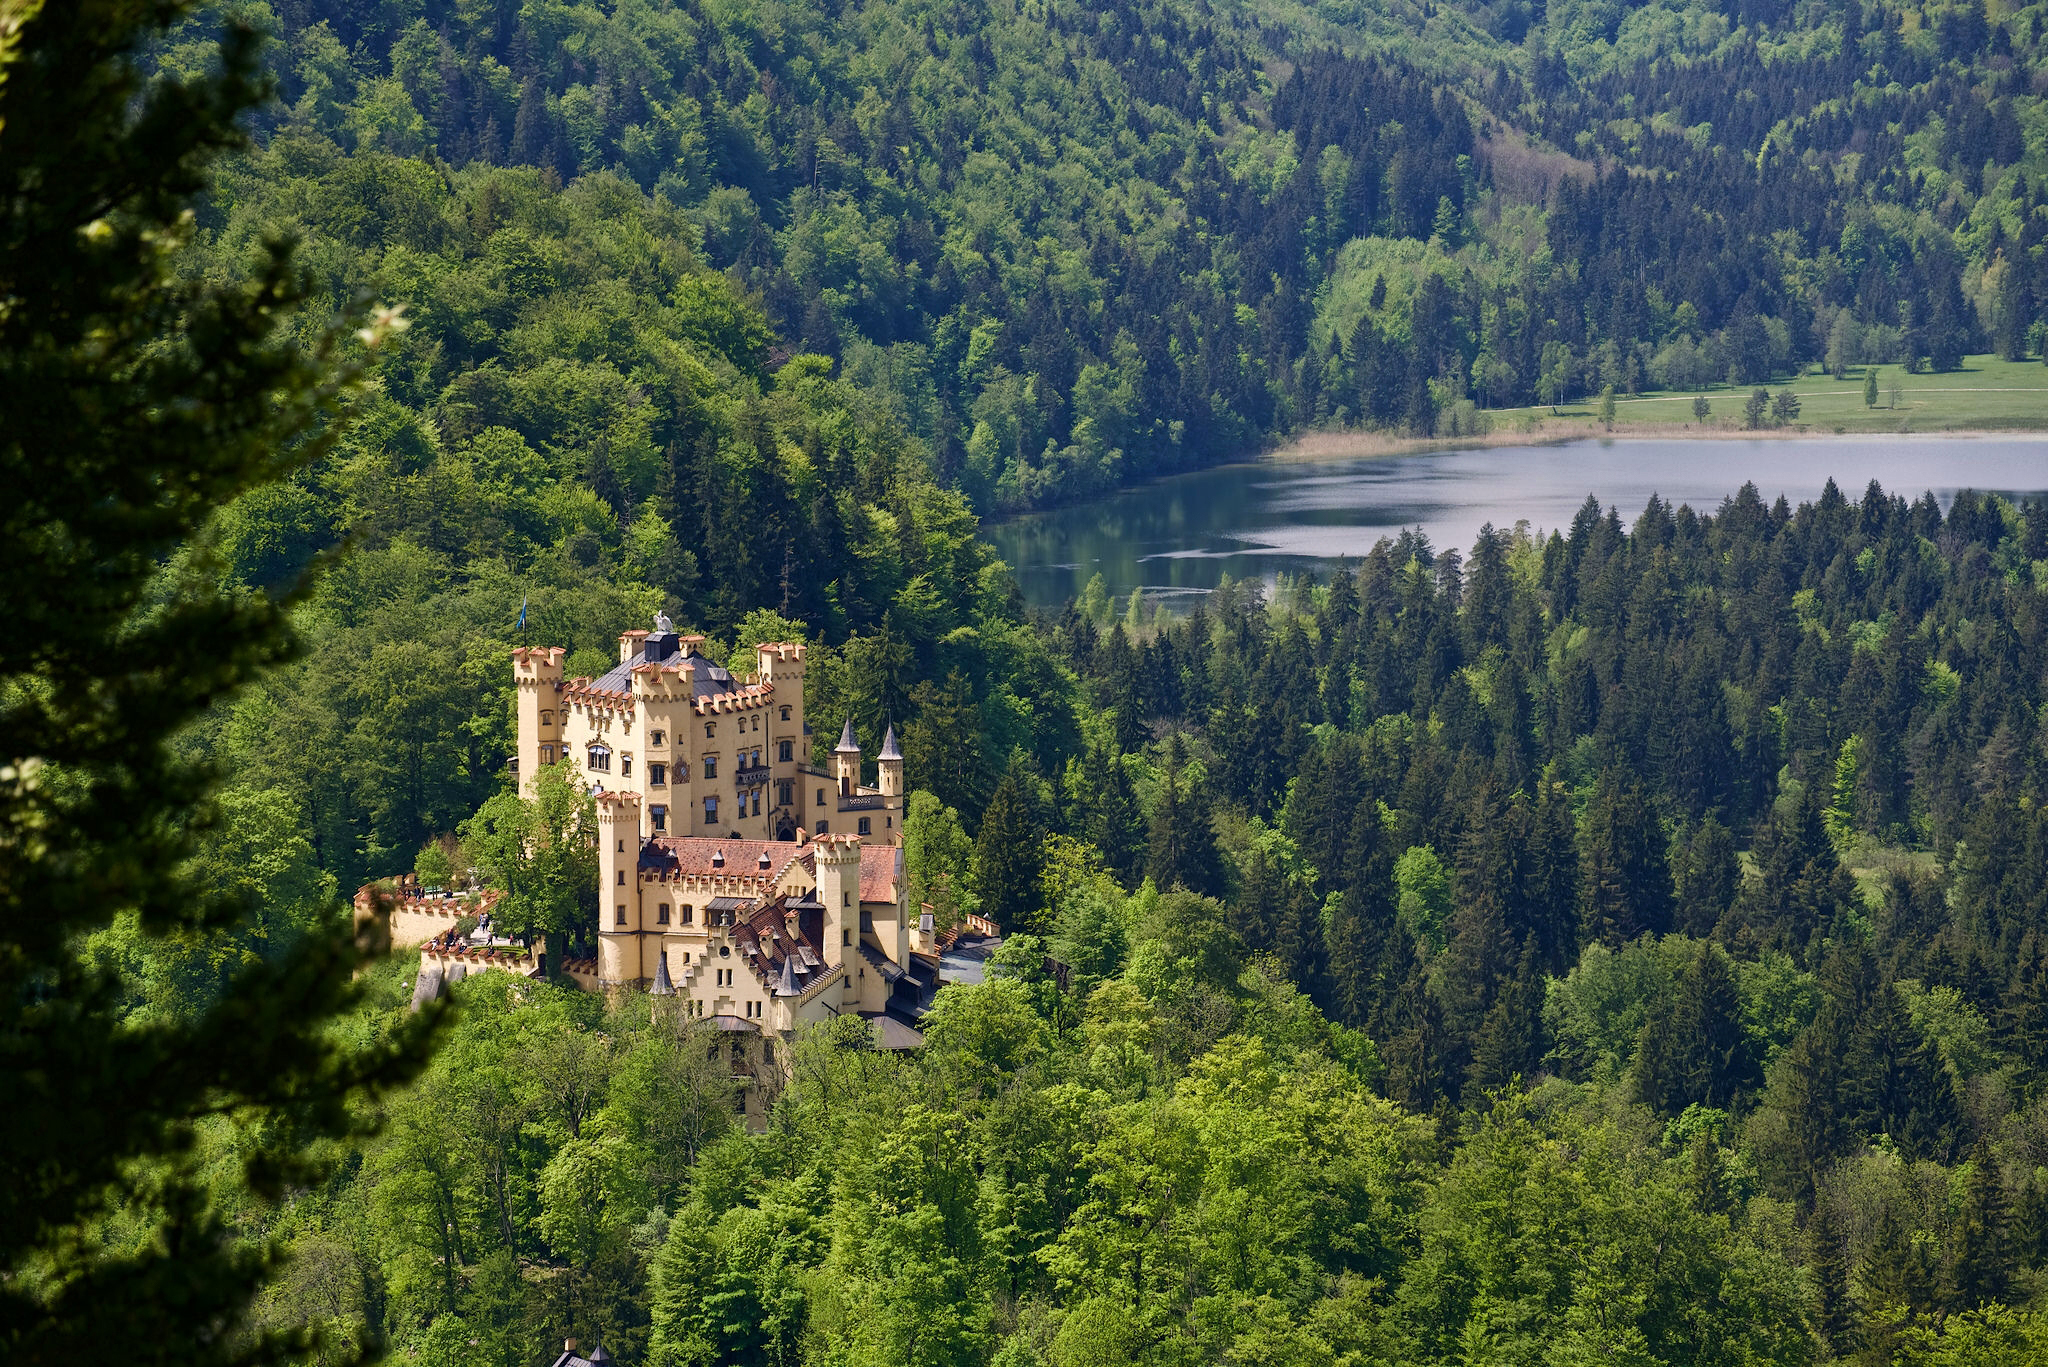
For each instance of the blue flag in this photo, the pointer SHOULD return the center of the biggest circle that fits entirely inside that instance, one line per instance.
(522, 612)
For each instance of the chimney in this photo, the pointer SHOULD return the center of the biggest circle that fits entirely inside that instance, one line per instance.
(568, 1345)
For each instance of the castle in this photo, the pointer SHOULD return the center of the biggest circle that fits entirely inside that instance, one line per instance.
(761, 891)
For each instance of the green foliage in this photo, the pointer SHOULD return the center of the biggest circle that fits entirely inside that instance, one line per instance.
(541, 853)
(938, 859)
(1425, 894)
(140, 400)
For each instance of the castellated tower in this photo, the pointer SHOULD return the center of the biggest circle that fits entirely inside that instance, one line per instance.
(838, 861)
(537, 675)
(619, 929)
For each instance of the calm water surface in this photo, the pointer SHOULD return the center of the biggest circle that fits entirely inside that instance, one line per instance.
(1183, 534)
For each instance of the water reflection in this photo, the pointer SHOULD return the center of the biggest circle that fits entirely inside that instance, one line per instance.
(1183, 534)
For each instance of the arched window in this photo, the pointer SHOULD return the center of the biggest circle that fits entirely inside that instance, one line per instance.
(710, 730)
(785, 714)
(547, 718)
(599, 759)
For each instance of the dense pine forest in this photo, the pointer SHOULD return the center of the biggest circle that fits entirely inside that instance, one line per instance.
(1621, 944)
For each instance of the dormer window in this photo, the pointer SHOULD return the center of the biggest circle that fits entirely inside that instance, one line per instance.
(718, 859)
(598, 760)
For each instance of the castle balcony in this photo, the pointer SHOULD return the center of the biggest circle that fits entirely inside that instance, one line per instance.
(750, 776)
(862, 802)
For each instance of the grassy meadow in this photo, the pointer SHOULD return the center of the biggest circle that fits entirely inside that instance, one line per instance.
(1986, 394)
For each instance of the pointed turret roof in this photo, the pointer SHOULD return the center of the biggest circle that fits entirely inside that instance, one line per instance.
(788, 987)
(846, 740)
(664, 986)
(889, 746)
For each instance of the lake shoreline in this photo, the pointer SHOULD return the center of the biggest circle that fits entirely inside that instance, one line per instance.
(1326, 447)
(1326, 499)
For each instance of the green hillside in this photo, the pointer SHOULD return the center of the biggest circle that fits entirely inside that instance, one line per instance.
(1628, 946)
(1066, 247)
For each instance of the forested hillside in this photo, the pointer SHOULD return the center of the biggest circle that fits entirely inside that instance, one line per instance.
(1064, 246)
(1625, 945)
(1631, 940)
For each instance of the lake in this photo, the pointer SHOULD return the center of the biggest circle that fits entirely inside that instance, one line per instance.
(1182, 534)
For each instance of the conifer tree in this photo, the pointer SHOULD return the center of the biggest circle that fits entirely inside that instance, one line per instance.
(1363, 938)
(1009, 850)
(1509, 1043)
(1698, 1051)
(1834, 1315)
(2023, 1018)
(1982, 1266)
(1116, 821)
(1550, 877)
(1901, 1085)
(138, 400)
(1182, 850)
(1416, 1047)
(1625, 881)
(1706, 877)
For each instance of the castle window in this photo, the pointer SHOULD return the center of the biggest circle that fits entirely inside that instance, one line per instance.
(784, 752)
(661, 914)
(785, 793)
(599, 760)
(547, 718)
(547, 754)
(866, 827)
(711, 766)
(785, 714)
(622, 878)
(710, 730)
(757, 802)
(824, 828)
(710, 811)
(767, 1051)
(821, 802)
(622, 913)
(625, 766)
(657, 775)
(659, 816)
(656, 738)
(689, 914)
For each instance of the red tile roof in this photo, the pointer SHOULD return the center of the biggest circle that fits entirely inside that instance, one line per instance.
(691, 856)
(881, 868)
